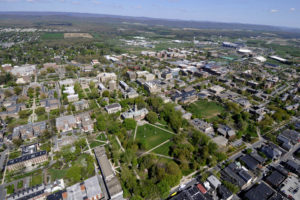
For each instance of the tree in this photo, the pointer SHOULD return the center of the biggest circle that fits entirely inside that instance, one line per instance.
(40, 111)
(129, 124)
(152, 117)
(105, 93)
(25, 113)
(18, 90)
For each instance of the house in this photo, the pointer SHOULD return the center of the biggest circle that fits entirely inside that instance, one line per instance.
(214, 181)
(81, 105)
(250, 162)
(113, 108)
(271, 152)
(226, 131)
(237, 175)
(112, 184)
(293, 166)
(224, 193)
(275, 178)
(203, 126)
(134, 113)
(27, 160)
(65, 123)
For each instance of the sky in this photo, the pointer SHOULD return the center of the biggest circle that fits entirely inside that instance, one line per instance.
(267, 12)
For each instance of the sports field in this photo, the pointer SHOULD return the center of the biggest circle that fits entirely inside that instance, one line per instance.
(205, 109)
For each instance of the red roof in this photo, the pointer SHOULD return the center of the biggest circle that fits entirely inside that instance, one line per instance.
(201, 188)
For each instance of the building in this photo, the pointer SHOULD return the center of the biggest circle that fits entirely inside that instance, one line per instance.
(203, 126)
(87, 190)
(72, 98)
(271, 152)
(224, 193)
(81, 105)
(216, 89)
(29, 131)
(261, 192)
(226, 131)
(35, 193)
(24, 70)
(67, 82)
(152, 87)
(85, 122)
(134, 113)
(112, 85)
(50, 104)
(111, 182)
(214, 181)
(65, 123)
(105, 77)
(113, 108)
(275, 179)
(27, 160)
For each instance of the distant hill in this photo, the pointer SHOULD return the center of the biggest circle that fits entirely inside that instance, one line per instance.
(33, 18)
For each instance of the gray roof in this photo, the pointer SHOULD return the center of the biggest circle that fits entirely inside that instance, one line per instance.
(92, 187)
(103, 162)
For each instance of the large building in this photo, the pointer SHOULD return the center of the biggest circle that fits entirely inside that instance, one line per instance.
(135, 113)
(113, 108)
(27, 160)
(29, 131)
(111, 182)
(87, 190)
(65, 123)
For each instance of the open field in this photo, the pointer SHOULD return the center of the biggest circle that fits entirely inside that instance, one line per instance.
(164, 149)
(77, 35)
(151, 136)
(52, 36)
(205, 109)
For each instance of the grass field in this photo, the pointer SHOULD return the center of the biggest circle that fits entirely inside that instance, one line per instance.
(164, 149)
(57, 173)
(151, 136)
(52, 36)
(205, 109)
(95, 144)
(36, 180)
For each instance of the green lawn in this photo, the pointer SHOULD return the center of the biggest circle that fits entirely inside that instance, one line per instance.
(36, 180)
(52, 36)
(95, 144)
(101, 137)
(151, 136)
(57, 173)
(20, 184)
(205, 109)
(164, 149)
